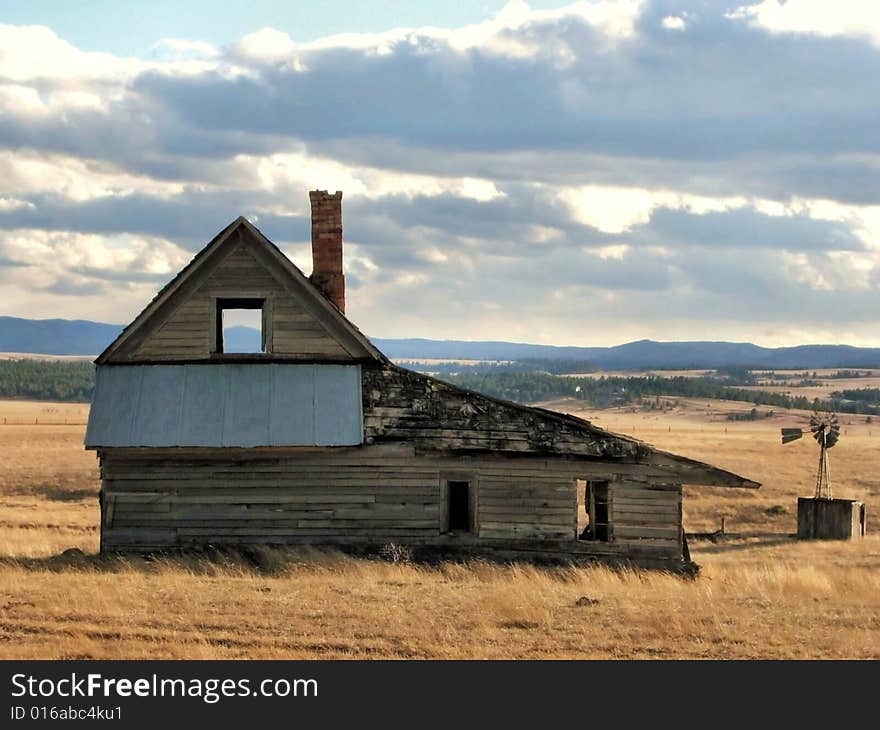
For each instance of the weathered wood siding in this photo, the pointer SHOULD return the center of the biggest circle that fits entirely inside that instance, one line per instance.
(645, 514)
(220, 499)
(830, 519)
(366, 495)
(536, 507)
(187, 333)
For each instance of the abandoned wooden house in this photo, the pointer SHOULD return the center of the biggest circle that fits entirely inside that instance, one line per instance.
(317, 437)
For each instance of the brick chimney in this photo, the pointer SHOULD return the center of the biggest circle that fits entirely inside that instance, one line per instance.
(327, 245)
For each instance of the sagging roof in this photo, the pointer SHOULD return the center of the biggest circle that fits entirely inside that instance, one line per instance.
(403, 405)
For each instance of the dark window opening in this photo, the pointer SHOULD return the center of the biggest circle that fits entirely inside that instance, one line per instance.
(241, 326)
(597, 503)
(459, 506)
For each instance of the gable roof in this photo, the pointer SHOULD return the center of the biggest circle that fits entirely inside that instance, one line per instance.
(279, 266)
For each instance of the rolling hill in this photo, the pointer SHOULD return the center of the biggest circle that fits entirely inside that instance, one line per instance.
(82, 337)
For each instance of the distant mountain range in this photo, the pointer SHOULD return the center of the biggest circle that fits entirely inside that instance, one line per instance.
(81, 337)
(55, 336)
(644, 354)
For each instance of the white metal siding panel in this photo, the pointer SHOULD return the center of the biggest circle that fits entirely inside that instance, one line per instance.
(336, 417)
(246, 420)
(240, 405)
(114, 404)
(201, 421)
(292, 414)
(158, 409)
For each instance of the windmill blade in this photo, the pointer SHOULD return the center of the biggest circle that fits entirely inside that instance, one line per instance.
(832, 436)
(825, 428)
(791, 434)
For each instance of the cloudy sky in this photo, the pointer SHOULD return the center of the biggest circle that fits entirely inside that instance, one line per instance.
(581, 174)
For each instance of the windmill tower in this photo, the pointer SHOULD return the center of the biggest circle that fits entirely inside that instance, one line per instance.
(822, 516)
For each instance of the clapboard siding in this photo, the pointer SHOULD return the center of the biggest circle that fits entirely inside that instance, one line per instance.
(646, 513)
(323, 495)
(371, 495)
(540, 508)
(186, 334)
(216, 498)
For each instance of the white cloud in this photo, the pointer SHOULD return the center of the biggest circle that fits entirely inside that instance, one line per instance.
(863, 219)
(673, 22)
(610, 209)
(35, 51)
(57, 251)
(294, 172)
(14, 204)
(499, 34)
(820, 17)
(268, 45)
(615, 209)
(618, 252)
(28, 172)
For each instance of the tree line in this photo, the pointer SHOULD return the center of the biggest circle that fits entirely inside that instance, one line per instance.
(606, 391)
(55, 380)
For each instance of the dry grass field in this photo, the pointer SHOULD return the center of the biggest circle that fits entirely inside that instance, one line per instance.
(760, 595)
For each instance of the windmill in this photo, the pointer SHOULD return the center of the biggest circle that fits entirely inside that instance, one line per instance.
(826, 430)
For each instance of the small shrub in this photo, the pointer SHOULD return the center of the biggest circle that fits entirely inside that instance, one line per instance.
(776, 509)
(394, 553)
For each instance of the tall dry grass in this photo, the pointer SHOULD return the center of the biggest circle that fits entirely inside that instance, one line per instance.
(322, 604)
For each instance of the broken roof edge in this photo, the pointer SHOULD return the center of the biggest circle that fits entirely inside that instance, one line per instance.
(691, 471)
(564, 418)
(700, 473)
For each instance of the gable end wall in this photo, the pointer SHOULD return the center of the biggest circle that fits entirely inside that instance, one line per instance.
(187, 333)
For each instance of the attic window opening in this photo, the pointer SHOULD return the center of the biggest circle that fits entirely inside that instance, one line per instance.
(241, 326)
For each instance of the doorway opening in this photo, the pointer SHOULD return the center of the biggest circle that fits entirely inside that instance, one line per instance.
(597, 503)
(459, 506)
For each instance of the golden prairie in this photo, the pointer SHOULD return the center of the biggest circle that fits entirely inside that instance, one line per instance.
(760, 594)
